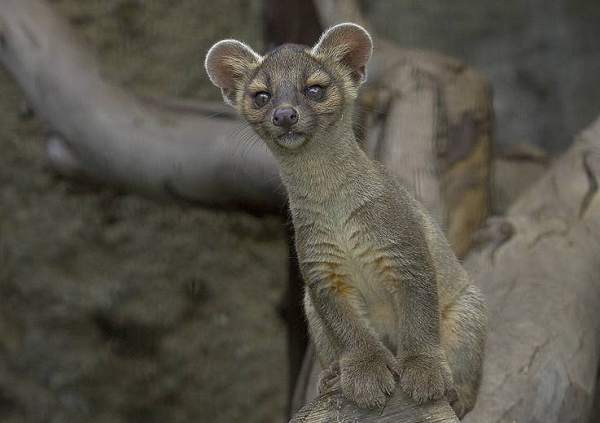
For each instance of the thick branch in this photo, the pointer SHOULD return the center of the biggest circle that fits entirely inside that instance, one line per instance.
(160, 149)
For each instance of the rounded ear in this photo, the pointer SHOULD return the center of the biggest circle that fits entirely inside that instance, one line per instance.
(226, 64)
(349, 44)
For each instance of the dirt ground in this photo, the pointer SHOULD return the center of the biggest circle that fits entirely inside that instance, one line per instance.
(115, 308)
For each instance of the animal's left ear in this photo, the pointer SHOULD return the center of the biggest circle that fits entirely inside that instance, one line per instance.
(348, 44)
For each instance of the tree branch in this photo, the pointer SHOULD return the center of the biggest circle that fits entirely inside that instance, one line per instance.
(165, 149)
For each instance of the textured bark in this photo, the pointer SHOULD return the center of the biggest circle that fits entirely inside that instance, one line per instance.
(334, 408)
(437, 138)
(539, 274)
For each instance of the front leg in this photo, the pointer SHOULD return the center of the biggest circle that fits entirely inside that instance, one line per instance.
(425, 374)
(366, 366)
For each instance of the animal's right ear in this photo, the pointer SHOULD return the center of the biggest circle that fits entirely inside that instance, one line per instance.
(226, 64)
(349, 44)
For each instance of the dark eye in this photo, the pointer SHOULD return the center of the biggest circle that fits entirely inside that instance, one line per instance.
(261, 98)
(315, 92)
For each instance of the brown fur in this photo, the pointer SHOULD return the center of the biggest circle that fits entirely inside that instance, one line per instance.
(385, 295)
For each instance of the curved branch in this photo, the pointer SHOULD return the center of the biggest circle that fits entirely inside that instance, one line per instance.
(164, 150)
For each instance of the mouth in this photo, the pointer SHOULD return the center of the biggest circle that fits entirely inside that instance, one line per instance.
(291, 139)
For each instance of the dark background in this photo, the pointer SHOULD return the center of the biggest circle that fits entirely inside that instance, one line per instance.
(542, 57)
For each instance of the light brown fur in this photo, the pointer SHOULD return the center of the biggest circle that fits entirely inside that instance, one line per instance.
(385, 295)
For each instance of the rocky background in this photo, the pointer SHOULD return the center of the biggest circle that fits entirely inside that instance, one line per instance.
(114, 308)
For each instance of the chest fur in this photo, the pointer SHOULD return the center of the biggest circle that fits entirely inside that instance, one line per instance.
(340, 250)
(341, 256)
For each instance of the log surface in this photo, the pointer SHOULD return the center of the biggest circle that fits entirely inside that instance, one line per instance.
(539, 274)
(335, 408)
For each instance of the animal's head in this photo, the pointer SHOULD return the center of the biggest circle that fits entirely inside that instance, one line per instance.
(294, 93)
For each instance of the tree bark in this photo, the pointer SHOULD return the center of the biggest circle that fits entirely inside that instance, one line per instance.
(539, 273)
(335, 408)
(515, 169)
(437, 138)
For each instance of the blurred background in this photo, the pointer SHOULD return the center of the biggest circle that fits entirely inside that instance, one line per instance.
(114, 308)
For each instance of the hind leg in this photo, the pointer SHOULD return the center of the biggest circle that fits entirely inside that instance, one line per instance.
(463, 331)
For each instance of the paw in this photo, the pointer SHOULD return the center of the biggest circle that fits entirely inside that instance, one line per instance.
(329, 379)
(425, 378)
(367, 379)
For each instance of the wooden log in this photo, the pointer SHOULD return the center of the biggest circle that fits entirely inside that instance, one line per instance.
(539, 274)
(335, 408)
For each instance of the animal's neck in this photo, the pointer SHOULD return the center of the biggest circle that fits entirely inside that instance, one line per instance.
(326, 168)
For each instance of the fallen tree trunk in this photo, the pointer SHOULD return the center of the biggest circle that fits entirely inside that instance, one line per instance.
(539, 274)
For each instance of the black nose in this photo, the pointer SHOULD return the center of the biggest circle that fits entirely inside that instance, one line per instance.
(285, 116)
